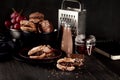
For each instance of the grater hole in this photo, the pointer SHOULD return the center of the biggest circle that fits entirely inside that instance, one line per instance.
(69, 16)
(63, 19)
(60, 18)
(64, 15)
(61, 14)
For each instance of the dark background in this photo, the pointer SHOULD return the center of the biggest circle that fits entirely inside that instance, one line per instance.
(102, 15)
(103, 18)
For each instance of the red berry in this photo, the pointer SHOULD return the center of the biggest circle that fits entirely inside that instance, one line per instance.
(12, 27)
(14, 14)
(13, 20)
(7, 23)
(17, 26)
(19, 18)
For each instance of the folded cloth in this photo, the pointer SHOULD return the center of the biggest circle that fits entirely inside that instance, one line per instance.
(6, 46)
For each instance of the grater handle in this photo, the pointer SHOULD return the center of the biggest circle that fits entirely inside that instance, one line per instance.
(76, 1)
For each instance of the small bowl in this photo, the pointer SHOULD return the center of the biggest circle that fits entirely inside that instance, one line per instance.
(16, 34)
(48, 38)
(29, 38)
(26, 38)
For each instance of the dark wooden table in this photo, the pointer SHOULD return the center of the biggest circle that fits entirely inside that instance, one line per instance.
(17, 70)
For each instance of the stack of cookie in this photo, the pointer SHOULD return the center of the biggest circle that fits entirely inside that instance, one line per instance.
(36, 23)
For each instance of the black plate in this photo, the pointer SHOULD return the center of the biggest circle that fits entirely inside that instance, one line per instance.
(22, 55)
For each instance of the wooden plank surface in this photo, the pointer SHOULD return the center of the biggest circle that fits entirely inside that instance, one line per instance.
(92, 70)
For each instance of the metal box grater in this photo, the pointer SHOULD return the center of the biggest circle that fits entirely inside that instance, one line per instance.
(75, 17)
